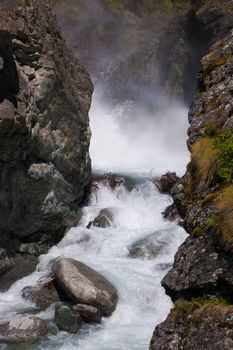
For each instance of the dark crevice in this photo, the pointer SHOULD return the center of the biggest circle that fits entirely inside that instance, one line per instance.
(9, 79)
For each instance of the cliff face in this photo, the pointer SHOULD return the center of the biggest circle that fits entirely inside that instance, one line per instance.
(201, 281)
(144, 48)
(45, 96)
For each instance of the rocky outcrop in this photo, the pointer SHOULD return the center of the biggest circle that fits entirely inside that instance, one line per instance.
(24, 329)
(45, 96)
(200, 282)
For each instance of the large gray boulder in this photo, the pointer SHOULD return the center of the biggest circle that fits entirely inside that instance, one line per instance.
(83, 285)
(25, 329)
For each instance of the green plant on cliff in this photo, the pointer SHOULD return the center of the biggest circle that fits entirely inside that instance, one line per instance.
(196, 303)
(224, 203)
(212, 221)
(26, 2)
(224, 143)
(205, 155)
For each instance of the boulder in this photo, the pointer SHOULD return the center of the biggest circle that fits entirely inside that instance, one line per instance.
(66, 319)
(83, 285)
(24, 329)
(88, 313)
(104, 219)
(166, 182)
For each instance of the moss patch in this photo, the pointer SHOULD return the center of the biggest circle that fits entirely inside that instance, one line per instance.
(189, 306)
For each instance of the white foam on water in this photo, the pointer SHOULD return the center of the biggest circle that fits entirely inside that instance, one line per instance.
(137, 215)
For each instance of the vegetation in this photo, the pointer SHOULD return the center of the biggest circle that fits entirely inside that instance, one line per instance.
(213, 61)
(224, 143)
(224, 202)
(197, 303)
(213, 221)
(205, 155)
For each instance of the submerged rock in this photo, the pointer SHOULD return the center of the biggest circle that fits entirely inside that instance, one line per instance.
(103, 220)
(66, 319)
(25, 329)
(146, 248)
(88, 313)
(83, 285)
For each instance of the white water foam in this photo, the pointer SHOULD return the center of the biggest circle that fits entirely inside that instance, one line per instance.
(137, 215)
(149, 141)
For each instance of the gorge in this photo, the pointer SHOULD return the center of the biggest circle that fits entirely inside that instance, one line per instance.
(100, 208)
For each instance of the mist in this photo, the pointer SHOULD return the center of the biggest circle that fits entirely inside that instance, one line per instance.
(130, 138)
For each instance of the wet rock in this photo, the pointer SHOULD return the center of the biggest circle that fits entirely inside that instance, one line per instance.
(5, 262)
(88, 313)
(103, 220)
(166, 182)
(209, 327)
(146, 248)
(24, 329)
(42, 295)
(199, 270)
(66, 319)
(21, 267)
(171, 213)
(84, 285)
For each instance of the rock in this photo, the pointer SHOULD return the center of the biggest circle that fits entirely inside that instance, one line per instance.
(66, 319)
(88, 313)
(5, 262)
(208, 327)
(21, 266)
(24, 329)
(103, 220)
(45, 95)
(202, 270)
(164, 55)
(42, 296)
(146, 248)
(198, 270)
(166, 182)
(83, 285)
(171, 213)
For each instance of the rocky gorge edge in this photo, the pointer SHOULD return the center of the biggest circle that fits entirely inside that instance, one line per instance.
(200, 282)
(45, 96)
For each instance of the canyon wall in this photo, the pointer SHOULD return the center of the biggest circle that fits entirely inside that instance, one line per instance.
(201, 281)
(45, 96)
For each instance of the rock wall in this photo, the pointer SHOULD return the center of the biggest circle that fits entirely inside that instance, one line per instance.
(144, 49)
(201, 280)
(45, 96)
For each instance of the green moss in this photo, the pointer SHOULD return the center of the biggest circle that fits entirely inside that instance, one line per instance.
(213, 221)
(196, 303)
(26, 2)
(215, 61)
(224, 143)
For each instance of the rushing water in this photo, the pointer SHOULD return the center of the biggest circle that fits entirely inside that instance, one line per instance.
(137, 215)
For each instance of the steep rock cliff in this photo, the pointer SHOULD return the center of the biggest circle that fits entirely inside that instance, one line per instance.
(201, 280)
(144, 48)
(45, 96)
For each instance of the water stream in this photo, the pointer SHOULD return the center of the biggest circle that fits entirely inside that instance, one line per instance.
(137, 211)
